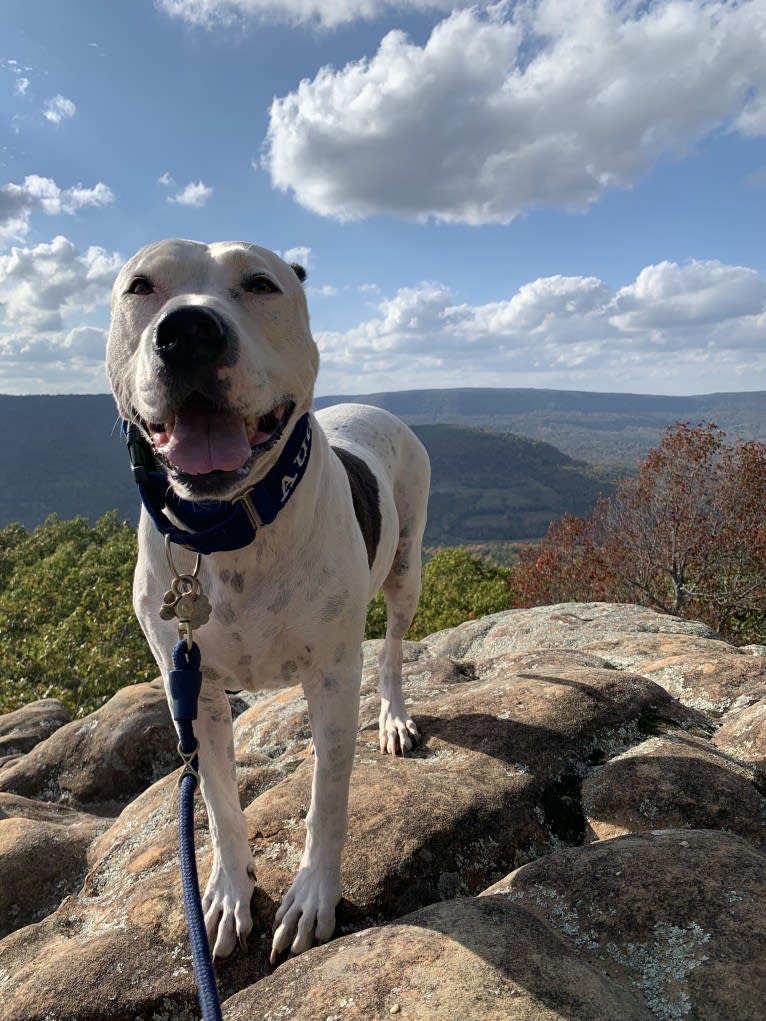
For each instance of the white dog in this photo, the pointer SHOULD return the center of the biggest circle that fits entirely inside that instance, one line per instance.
(211, 357)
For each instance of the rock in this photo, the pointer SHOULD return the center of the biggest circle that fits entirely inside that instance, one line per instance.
(670, 782)
(43, 850)
(478, 957)
(685, 657)
(743, 733)
(103, 760)
(495, 769)
(707, 675)
(274, 726)
(680, 916)
(544, 737)
(564, 626)
(657, 926)
(119, 947)
(22, 729)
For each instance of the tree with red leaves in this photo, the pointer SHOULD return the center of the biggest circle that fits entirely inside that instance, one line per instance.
(686, 537)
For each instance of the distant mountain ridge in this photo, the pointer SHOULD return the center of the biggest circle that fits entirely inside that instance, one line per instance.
(600, 428)
(64, 454)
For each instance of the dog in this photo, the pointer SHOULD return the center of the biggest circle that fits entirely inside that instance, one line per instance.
(211, 360)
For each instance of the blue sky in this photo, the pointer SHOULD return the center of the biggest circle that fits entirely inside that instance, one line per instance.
(550, 194)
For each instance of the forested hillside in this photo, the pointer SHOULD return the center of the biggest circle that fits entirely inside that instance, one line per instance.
(491, 486)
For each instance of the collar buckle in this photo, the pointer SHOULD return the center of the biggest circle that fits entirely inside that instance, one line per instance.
(139, 452)
(249, 508)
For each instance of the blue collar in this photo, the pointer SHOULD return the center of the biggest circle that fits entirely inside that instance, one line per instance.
(218, 526)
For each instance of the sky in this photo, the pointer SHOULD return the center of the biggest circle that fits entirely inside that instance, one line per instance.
(565, 194)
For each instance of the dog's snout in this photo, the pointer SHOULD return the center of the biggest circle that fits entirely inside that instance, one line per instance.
(193, 332)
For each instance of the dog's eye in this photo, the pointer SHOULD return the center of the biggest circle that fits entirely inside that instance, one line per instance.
(140, 286)
(259, 284)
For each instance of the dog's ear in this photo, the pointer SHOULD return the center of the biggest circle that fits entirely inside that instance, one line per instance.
(299, 271)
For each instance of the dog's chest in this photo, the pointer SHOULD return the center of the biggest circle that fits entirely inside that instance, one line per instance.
(273, 629)
(239, 658)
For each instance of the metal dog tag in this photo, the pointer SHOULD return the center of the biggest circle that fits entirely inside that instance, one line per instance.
(201, 610)
(168, 608)
(185, 601)
(184, 609)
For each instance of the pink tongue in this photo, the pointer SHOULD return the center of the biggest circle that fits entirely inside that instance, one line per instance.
(205, 440)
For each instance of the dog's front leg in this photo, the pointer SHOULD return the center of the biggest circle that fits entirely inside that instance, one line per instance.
(227, 897)
(307, 912)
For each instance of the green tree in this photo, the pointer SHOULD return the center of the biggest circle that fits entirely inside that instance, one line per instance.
(456, 587)
(67, 628)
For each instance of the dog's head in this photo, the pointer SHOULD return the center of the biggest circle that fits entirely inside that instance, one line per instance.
(211, 354)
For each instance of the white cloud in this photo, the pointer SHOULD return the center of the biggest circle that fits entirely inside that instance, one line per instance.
(322, 13)
(20, 73)
(668, 296)
(86, 341)
(41, 194)
(752, 120)
(300, 254)
(71, 374)
(58, 108)
(53, 311)
(194, 194)
(513, 105)
(675, 329)
(47, 295)
(41, 286)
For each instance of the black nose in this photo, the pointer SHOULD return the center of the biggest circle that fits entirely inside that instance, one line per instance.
(193, 333)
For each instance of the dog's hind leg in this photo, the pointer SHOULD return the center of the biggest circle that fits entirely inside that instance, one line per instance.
(401, 590)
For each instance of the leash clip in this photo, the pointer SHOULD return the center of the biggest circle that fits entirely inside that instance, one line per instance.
(188, 763)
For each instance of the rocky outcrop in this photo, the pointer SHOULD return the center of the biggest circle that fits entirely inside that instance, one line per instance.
(582, 835)
(20, 731)
(102, 761)
(614, 930)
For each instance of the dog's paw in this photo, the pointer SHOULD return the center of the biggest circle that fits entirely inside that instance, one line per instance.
(307, 913)
(226, 905)
(398, 733)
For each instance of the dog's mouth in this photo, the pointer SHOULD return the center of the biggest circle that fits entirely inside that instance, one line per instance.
(203, 441)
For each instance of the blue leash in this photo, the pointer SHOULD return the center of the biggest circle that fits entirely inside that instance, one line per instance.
(185, 683)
